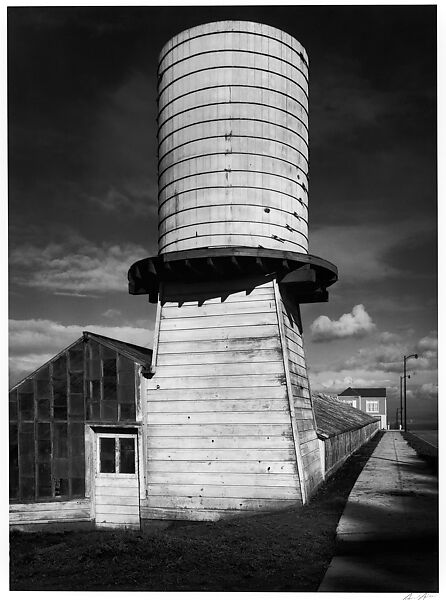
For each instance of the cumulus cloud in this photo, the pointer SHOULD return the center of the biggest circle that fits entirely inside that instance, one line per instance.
(388, 357)
(389, 337)
(334, 382)
(429, 342)
(34, 341)
(358, 323)
(112, 313)
(76, 267)
(430, 389)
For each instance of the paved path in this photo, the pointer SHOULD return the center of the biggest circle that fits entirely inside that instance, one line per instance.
(387, 535)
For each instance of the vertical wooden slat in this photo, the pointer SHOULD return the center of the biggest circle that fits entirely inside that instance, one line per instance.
(290, 393)
(157, 330)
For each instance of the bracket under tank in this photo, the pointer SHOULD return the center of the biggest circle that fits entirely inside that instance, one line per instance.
(305, 276)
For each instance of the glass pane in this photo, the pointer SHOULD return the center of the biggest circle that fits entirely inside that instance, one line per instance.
(126, 369)
(13, 461)
(60, 399)
(44, 451)
(43, 431)
(60, 413)
(126, 455)
(126, 394)
(76, 359)
(94, 369)
(60, 467)
(27, 485)
(110, 389)
(77, 468)
(60, 440)
(60, 368)
(77, 435)
(107, 455)
(43, 442)
(77, 486)
(109, 366)
(13, 405)
(44, 480)
(77, 383)
(95, 390)
(77, 405)
(26, 449)
(43, 374)
(61, 486)
(13, 471)
(94, 411)
(43, 409)
(108, 353)
(128, 412)
(26, 406)
(60, 392)
(27, 387)
(109, 411)
(43, 389)
(13, 433)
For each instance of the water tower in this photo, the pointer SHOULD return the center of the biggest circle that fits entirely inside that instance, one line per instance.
(228, 412)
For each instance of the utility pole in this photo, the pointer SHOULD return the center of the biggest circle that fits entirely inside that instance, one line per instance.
(404, 377)
(401, 401)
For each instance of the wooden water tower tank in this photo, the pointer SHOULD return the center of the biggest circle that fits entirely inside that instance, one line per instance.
(233, 139)
(229, 420)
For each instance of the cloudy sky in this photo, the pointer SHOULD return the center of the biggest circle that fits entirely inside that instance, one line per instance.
(83, 182)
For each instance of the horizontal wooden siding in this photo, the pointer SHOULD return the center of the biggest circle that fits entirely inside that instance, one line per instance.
(219, 433)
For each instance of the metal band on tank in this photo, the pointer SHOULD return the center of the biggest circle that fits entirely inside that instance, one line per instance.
(233, 50)
(232, 103)
(195, 156)
(211, 137)
(231, 85)
(237, 31)
(198, 173)
(224, 187)
(286, 212)
(160, 141)
(289, 228)
(161, 91)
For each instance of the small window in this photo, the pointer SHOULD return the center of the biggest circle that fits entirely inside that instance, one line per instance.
(126, 455)
(372, 406)
(117, 455)
(350, 402)
(107, 455)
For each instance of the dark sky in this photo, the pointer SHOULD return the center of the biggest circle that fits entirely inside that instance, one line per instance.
(83, 181)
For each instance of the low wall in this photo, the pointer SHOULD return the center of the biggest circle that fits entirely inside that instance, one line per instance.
(336, 449)
(63, 514)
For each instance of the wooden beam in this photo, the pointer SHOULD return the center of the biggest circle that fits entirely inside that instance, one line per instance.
(236, 263)
(191, 267)
(260, 263)
(214, 267)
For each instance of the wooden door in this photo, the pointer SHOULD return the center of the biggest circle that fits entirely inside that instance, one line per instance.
(117, 481)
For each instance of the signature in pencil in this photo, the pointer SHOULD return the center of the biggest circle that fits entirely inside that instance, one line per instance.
(412, 596)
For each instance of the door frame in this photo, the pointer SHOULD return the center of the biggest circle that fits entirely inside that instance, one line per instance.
(92, 433)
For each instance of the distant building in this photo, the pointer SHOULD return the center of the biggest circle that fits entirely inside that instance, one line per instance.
(369, 400)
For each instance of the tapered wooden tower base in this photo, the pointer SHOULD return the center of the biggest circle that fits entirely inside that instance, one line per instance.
(229, 420)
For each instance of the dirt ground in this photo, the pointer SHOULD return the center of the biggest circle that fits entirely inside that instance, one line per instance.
(282, 551)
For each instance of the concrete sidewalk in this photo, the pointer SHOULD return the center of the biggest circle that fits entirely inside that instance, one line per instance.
(387, 537)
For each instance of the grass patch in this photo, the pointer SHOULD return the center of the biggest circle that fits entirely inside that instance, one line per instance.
(286, 550)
